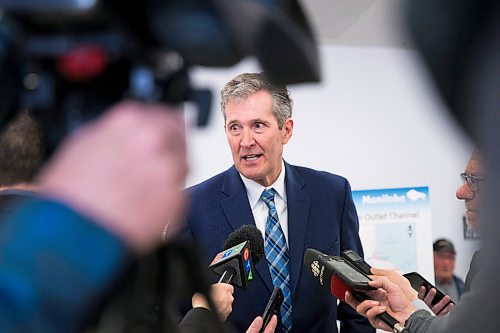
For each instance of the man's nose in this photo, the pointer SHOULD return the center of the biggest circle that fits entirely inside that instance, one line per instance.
(247, 138)
(464, 192)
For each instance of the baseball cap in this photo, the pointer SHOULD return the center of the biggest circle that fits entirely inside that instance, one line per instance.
(443, 245)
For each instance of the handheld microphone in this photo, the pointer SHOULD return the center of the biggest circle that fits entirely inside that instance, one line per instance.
(243, 248)
(322, 267)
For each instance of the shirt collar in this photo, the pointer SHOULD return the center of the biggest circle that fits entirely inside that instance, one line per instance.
(254, 189)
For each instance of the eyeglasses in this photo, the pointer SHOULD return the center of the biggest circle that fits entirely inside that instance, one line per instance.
(472, 181)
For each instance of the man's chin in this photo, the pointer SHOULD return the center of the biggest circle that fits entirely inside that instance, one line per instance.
(472, 218)
(444, 278)
(250, 173)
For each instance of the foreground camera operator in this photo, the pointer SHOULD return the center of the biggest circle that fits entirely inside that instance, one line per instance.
(60, 253)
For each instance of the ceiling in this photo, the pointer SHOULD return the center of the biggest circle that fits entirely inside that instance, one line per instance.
(357, 22)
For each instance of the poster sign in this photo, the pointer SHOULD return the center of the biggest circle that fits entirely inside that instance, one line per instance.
(395, 228)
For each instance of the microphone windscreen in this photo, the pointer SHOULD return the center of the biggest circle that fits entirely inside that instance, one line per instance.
(247, 233)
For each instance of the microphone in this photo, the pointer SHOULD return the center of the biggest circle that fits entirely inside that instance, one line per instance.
(322, 268)
(243, 248)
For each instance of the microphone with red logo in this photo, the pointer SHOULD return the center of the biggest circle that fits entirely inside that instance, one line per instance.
(243, 248)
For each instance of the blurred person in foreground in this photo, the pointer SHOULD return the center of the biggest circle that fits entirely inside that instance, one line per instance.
(126, 167)
(463, 60)
(294, 207)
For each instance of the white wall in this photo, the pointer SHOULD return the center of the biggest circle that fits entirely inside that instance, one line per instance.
(373, 119)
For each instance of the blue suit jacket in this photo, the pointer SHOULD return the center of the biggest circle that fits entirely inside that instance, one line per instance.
(321, 215)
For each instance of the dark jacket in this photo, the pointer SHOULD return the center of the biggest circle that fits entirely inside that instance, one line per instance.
(321, 215)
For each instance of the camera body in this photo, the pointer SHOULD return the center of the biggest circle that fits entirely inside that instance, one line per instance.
(67, 69)
(66, 61)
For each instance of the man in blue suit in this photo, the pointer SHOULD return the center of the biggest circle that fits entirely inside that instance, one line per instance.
(314, 209)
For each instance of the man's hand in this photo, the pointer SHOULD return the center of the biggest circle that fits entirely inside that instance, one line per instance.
(258, 322)
(222, 295)
(402, 282)
(388, 297)
(440, 308)
(125, 171)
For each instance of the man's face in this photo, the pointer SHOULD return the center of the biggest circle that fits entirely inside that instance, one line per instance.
(255, 140)
(444, 266)
(471, 198)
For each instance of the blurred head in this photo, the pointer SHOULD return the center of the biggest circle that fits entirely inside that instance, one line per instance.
(21, 151)
(444, 260)
(470, 189)
(257, 117)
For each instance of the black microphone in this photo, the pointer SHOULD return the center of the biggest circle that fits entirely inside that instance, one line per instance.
(243, 248)
(322, 268)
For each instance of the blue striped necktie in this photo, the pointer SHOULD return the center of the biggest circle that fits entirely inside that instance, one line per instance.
(277, 257)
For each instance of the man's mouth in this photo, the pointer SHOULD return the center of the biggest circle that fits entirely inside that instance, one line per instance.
(470, 205)
(251, 157)
(472, 210)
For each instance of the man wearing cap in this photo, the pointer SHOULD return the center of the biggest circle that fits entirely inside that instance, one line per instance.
(444, 268)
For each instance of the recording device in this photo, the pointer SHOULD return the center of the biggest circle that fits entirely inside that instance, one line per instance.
(273, 307)
(69, 60)
(235, 264)
(338, 276)
(355, 260)
(334, 272)
(417, 281)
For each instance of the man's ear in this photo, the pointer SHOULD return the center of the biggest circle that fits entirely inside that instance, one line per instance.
(288, 130)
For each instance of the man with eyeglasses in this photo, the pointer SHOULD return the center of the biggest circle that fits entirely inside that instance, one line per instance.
(469, 192)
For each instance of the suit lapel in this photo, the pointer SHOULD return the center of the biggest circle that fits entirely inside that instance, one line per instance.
(238, 213)
(298, 202)
(236, 206)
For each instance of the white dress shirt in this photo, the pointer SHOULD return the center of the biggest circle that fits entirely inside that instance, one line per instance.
(260, 210)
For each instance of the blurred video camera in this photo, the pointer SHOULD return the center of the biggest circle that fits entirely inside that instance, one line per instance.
(68, 60)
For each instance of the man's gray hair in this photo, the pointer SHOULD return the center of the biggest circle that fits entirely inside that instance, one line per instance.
(243, 85)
